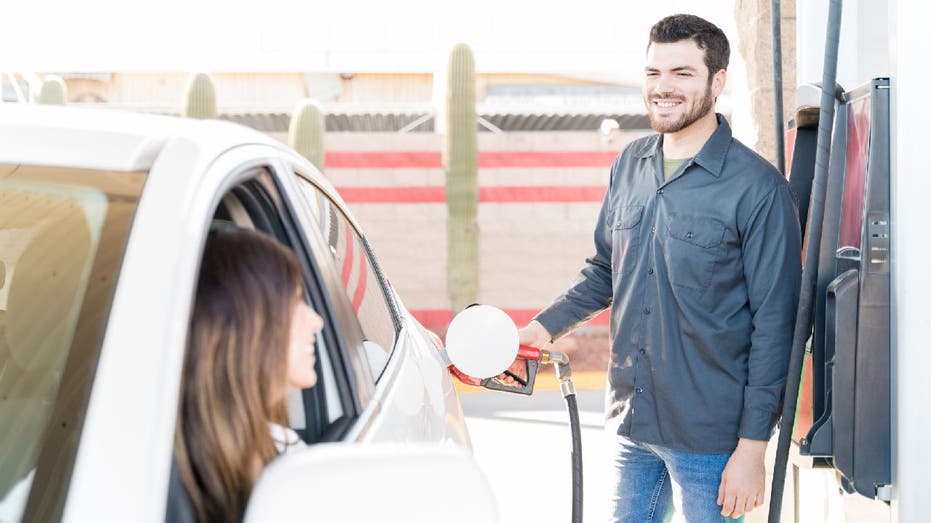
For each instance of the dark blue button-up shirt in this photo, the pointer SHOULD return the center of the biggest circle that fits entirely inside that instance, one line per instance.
(702, 273)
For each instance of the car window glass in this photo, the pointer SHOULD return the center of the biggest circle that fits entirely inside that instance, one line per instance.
(358, 275)
(62, 234)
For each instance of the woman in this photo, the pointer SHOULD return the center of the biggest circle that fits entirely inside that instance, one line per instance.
(251, 342)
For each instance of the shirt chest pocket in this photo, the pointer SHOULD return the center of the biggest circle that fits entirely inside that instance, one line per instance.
(625, 239)
(691, 250)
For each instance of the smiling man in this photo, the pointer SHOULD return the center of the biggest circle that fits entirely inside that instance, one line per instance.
(697, 252)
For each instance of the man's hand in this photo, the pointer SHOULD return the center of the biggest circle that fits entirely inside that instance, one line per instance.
(743, 480)
(533, 335)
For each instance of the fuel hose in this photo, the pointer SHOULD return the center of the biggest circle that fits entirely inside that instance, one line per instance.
(573, 408)
(564, 374)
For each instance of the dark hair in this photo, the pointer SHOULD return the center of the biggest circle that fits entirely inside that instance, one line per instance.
(236, 359)
(706, 35)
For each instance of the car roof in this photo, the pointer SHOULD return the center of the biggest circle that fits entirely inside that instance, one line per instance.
(115, 140)
(107, 139)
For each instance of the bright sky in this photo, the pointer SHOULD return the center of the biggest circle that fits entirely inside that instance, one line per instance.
(605, 38)
(595, 39)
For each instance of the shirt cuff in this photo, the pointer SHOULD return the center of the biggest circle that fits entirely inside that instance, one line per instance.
(554, 322)
(757, 424)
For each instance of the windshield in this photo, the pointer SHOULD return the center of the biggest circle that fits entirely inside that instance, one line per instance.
(62, 235)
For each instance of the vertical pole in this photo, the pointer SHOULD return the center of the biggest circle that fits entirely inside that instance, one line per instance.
(776, 8)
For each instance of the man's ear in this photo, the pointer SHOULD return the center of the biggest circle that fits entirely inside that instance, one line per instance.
(718, 82)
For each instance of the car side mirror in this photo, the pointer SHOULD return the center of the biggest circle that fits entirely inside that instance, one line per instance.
(373, 482)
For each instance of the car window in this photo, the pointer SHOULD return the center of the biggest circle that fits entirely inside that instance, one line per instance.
(359, 274)
(62, 236)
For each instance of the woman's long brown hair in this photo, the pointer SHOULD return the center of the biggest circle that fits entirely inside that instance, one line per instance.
(235, 369)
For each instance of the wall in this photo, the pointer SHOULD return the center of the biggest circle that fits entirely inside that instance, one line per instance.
(541, 193)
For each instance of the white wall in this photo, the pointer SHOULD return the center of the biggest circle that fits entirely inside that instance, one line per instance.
(911, 187)
(864, 41)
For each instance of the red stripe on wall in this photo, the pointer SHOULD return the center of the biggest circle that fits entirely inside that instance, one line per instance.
(427, 159)
(543, 193)
(440, 318)
(547, 159)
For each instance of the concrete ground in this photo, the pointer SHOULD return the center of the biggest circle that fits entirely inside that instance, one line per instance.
(523, 443)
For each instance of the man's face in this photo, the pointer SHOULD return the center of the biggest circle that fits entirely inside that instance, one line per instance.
(676, 89)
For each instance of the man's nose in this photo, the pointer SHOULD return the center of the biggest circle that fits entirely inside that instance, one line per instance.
(663, 86)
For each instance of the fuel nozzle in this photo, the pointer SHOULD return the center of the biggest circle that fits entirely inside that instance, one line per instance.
(482, 342)
(563, 371)
(533, 358)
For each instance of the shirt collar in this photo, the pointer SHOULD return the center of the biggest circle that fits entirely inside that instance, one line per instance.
(712, 154)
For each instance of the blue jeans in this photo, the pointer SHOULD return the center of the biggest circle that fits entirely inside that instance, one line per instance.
(652, 483)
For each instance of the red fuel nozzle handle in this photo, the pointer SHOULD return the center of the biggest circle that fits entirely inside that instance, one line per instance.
(464, 378)
(528, 353)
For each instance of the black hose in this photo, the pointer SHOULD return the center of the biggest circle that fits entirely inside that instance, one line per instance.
(810, 271)
(573, 407)
(777, 85)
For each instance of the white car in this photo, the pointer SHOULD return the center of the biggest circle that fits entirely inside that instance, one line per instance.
(103, 217)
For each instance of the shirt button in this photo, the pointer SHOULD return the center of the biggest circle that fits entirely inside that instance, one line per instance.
(653, 230)
(647, 310)
(659, 192)
(650, 270)
(639, 390)
(643, 351)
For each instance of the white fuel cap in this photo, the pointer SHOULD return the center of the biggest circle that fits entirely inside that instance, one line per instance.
(482, 341)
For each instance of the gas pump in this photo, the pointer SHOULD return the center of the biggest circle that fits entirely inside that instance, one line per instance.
(482, 342)
(840, 371)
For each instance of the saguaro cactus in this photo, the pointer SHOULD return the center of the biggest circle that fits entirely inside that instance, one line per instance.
(52, 92)
(305, 133)
(200, 99)
(460, 161)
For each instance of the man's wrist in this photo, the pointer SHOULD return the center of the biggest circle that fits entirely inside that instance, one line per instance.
(541, 333)
(751, 446)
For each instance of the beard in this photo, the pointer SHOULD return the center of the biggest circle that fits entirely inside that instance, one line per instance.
(702, 108)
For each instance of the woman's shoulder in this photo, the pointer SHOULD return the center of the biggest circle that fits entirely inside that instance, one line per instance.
(285, 438)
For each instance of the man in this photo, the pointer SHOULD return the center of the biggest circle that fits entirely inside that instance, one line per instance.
(698, 254)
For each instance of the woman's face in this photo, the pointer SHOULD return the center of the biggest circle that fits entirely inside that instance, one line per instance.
(305, 324)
